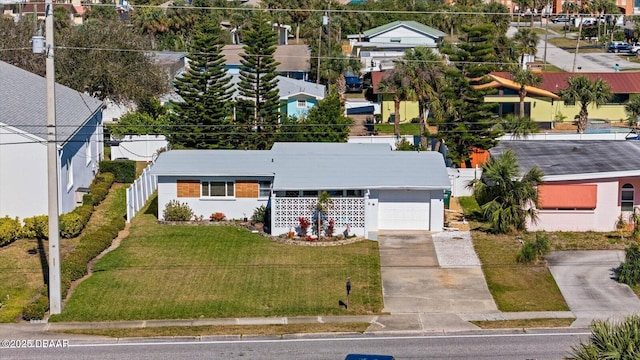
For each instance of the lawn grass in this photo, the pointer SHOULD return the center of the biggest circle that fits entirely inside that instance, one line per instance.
(405, 129)
(21, 268)
(20, 277)
(212, 330)
(182, 271)
(569, 44)
(524, 323)
(528, 287)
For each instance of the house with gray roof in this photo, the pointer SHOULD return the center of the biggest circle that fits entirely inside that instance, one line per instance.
(293, 59)
(588, 184)
(372, 187)
(377, 48)
(23, 139)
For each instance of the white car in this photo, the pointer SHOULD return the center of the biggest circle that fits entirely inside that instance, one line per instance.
(635, 48)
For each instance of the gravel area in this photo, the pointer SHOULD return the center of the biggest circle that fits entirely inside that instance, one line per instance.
(455, 249)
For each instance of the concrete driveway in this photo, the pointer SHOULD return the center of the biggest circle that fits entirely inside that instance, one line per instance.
(413, 281)
(585, 279)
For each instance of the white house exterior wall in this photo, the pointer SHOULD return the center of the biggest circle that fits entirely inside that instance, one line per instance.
(405, 35)
(233, 208)
(603, 218)
(23, 184)
(83, 161)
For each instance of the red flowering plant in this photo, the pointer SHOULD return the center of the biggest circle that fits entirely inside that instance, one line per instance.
(331, 227)
(304, 226)
(217, 216)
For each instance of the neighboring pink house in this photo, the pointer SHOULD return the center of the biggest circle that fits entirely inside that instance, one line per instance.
(588, 183)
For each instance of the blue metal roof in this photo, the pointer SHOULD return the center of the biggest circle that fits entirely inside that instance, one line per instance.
(299, 166)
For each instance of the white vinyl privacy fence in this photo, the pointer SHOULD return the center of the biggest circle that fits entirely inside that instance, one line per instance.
(140, 191)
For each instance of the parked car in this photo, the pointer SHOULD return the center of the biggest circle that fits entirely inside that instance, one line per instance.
(635, 48)
(561, 19)
(619, 46)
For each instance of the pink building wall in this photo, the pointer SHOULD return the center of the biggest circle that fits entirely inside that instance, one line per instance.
(602, 218)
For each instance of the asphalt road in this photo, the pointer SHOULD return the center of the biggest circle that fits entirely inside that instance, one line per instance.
(481, 345)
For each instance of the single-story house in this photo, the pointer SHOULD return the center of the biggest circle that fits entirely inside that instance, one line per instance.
(372, 187)
(23, 143)
(587, 183)
(543, 103)
(377, 48)
(294, 60)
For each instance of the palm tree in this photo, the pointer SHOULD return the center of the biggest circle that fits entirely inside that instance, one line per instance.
(610, 339)
(586, 92)
(632, 108)
(569, 7)
(425, 68)
(527, 42)
(524, 78)
(518, 126)
(397, 82)
(506, 201)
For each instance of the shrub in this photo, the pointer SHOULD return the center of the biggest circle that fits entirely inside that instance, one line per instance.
(71, 225)
(176, 211)
(36, 227)
(304, 226)
(532, 251)
(629, 271)
(124, 170)
(10, 230)
(260, 214)
(36, 309)
(87, 199)
(217, 216)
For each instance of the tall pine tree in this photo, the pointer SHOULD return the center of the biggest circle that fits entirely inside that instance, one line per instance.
(469, 122)
(203, 119)
(258, 102)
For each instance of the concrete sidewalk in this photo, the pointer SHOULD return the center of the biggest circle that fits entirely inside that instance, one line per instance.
(415, 323)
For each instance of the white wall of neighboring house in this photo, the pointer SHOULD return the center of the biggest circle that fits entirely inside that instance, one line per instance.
(139, 147)
(379, 139)
(23, 178)
(233, 208)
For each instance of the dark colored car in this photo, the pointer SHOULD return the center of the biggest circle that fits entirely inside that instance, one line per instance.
(617, 47)
(354, 84)
(561, 19)
(368, 357)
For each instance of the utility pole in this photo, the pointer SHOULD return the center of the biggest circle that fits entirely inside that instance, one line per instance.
(575, 56)
(55, 295)
(546, 34)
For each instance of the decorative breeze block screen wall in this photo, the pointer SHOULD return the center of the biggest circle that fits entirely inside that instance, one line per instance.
(286, 211)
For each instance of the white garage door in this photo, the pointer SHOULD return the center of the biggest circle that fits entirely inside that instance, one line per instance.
(403, 210)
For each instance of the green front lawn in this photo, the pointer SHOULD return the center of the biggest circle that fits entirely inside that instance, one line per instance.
(182, 271)
(405, 129)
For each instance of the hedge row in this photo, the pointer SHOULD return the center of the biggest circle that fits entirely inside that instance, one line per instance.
(124, 170)
(72, 223)
(91, 244)
(10, 230)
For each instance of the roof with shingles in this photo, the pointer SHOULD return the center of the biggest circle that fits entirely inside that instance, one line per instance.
(574, 157)
(427, 30)
(291, 57)
(318, 166)
(620, 82)
(23, 104)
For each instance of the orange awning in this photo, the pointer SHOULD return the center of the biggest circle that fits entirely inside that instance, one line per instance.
(567, 196)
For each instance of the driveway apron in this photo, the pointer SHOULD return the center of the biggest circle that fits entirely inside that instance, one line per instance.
(414, 282)
(586, 280)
